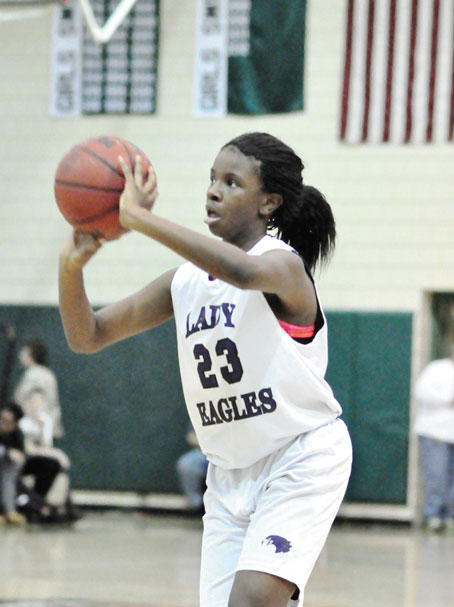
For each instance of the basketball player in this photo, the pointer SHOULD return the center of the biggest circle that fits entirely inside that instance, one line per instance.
(252, 346)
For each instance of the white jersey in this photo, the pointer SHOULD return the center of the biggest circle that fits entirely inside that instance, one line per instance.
(434, 393)
(249, 387)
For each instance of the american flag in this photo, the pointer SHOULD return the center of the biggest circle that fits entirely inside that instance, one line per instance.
(398, 81)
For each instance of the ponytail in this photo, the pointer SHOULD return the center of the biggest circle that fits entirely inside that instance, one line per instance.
(307, 225)
(304, 220)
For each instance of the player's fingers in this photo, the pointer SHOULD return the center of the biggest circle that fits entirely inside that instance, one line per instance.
(88, 242)
(79, 248)
(151, 179)
(125, 168)
(138, 173)
(150, 188)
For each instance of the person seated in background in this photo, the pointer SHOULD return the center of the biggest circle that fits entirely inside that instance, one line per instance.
(33, 356)
(44, 462)
(12, 459)
(192, 469)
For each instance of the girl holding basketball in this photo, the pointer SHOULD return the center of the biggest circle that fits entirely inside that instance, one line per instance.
(252, 347)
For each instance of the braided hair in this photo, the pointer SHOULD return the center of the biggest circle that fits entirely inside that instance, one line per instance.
(304, 220)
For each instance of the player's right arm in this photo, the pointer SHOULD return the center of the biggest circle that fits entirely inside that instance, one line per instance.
(88, 331)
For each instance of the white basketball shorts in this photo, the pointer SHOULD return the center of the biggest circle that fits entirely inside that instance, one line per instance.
(274, 516)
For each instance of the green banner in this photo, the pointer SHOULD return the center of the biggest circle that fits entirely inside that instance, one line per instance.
(266, 58)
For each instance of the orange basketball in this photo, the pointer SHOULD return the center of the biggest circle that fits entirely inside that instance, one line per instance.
(89, 182)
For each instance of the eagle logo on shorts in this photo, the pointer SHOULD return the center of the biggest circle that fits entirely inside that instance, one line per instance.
(280, 543)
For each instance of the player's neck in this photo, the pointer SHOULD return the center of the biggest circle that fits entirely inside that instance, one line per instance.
(247, 241)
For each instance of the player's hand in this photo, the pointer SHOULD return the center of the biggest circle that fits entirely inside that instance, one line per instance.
(137, 192)
(79, 248)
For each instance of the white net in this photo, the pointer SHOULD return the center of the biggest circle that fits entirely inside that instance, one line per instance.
(103, 33)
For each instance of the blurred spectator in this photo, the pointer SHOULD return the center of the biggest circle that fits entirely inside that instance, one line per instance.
(434, 393)
(44, 462)
(12, 459)
(192, 469)
(33, 356)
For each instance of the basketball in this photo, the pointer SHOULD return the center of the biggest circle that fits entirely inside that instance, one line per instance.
(89, 182)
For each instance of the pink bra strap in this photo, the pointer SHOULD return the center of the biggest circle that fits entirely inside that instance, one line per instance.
(296, 330)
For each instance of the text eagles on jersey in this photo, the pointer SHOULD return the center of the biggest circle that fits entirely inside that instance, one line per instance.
(232, 409)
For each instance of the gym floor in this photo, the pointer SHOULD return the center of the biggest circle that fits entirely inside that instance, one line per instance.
(129, 559)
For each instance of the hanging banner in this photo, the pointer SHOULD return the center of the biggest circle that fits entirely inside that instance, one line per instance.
(210, 82)
(118, 77)
(65, 93)
(263, 56)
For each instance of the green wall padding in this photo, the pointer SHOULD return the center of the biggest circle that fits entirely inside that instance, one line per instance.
(123, 408)
(125, 417)
(369, 370)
